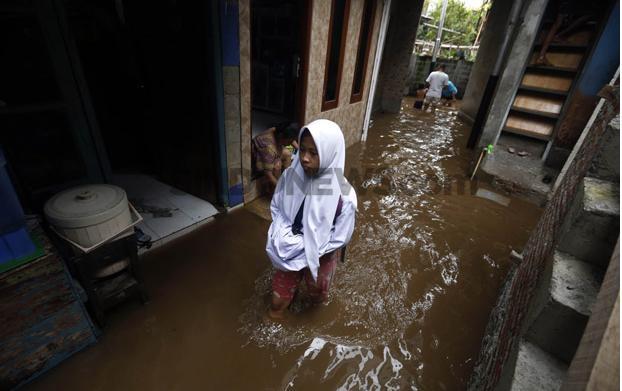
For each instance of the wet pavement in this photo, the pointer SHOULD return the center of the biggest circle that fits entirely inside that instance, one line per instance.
(407, 310)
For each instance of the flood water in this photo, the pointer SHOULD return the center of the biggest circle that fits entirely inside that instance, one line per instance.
(407, 310)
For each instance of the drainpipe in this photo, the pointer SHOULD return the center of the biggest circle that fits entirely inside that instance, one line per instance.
(384, 23)
(491, 85)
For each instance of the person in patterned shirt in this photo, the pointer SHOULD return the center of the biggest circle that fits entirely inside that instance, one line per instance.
(274, 149)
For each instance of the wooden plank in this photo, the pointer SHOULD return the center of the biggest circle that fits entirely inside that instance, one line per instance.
(43, 345)
(561, 59)
(529, 126)
(579, 46)
(543, 128)
(557, 83)
(527, 133)
(41, 288)
(580, 37)
(552, 70)
(43, 321)
(536, 113)
(551, 105)
(595, 364)
(606, 372)
(544, 91)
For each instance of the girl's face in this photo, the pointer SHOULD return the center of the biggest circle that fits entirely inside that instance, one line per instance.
(309, 157)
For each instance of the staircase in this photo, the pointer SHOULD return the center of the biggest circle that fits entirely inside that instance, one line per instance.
(571, 280)
(544, 89)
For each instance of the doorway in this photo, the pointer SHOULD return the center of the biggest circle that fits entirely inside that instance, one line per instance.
(148, 69)
(279, 62)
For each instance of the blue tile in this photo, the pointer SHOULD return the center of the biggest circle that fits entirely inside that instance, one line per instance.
(236, 194)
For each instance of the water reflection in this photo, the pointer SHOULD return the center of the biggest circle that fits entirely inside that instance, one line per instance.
(409, 306)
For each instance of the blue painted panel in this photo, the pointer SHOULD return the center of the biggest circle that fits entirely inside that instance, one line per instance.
(11, 213)
(43, 320)
(236, 194)
(229, 29)
(71, 334)
(606, 57)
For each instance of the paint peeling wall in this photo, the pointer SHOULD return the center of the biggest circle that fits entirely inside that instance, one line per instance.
(349, 116)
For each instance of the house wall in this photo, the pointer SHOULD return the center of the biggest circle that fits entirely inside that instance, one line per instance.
(487, 54)
(400, 41)
(349, 116)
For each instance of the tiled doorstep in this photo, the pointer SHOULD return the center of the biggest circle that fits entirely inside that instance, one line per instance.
(188, 212)
(171, 237)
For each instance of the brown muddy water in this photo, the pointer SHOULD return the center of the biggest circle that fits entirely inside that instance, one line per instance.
(407, 310)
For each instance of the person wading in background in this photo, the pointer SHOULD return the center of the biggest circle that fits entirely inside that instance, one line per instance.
(436, 81)
(449, 93)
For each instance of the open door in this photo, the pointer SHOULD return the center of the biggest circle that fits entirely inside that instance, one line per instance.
(148, 68)
(279, 62)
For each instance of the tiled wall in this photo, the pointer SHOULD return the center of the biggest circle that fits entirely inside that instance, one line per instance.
(348, 116)
(230, 43)
(245, 98)
(231, 83)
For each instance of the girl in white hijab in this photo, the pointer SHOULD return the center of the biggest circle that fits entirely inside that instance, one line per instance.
(313, 211)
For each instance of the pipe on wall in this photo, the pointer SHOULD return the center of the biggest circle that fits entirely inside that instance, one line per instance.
(384, 23)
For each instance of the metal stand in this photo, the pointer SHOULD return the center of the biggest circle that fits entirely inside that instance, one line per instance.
(108, 274)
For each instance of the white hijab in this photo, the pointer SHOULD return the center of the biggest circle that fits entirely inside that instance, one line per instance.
(320, 193)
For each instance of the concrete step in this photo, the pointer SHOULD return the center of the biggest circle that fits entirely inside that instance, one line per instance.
(606, 163)
(566, 308)
(592, 227)
(536, 370)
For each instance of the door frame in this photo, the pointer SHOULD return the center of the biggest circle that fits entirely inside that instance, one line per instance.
(304, 42)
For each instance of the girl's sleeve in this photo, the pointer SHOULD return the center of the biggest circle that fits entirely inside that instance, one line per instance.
(344, 226)
(277, 199)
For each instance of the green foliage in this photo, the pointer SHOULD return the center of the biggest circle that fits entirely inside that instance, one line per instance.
(458, 18)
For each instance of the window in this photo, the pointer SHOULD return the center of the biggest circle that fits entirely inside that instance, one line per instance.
(362, 54)
(334, 53)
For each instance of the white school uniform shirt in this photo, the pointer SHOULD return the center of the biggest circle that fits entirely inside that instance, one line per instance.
(290, 252)
(437, 81)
